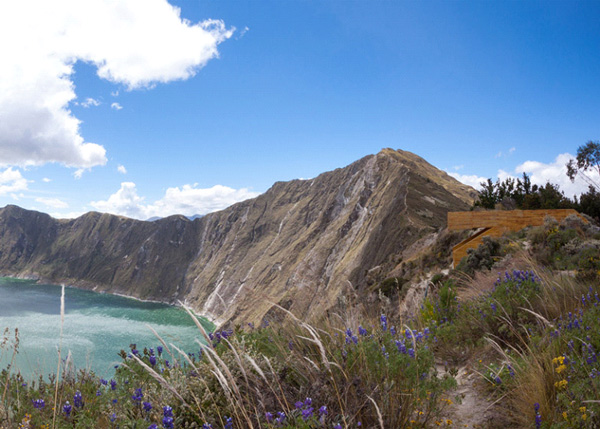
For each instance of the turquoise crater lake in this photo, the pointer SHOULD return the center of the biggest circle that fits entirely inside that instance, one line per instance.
(96, 327)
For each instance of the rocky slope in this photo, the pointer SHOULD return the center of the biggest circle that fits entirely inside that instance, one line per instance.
(303, 244)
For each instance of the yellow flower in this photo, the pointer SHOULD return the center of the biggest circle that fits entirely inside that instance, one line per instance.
(584, 416)
(565, 415)
(448, 422)
(582, 410)
(560, 369)
(561, 384)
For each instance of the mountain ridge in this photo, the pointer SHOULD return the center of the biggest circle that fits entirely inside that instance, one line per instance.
(303, 244)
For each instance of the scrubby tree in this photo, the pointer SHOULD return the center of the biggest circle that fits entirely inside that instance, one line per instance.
(586, 164)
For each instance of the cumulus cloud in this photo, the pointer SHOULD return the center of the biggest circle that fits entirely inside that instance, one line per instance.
(471, 180)
(116, 106)
(12, 181)
(121, 169)
(556, 173)
(90, 102)
(46, 180)
(135, 43)
(187, 200)
(52, 202)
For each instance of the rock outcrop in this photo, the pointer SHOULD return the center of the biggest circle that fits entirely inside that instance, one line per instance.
(302, 244)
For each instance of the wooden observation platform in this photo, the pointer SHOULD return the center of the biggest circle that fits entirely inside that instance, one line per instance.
(495, 223)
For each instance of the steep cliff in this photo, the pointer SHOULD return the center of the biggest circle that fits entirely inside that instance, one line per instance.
(302, 244)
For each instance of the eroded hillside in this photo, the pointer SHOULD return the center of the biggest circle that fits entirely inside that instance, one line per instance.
(302, 244)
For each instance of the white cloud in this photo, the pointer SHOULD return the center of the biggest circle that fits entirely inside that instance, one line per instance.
(115, 93)
(12, 181)
(511, 150)
(116, 106)
(90, 102)
(46, 180)
(121, 169)
(68, 215)
(556, 173)
(187, 200)
(471, 180)
(52, 202)
(135, 43)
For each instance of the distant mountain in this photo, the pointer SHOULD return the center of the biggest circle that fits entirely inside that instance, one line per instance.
(155, 218)
(304, 244)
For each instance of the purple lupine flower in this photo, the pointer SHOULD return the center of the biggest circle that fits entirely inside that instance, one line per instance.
(498, 380)
(299, 404)
(206, 426)
(113, 417)
(147, 406)
(269, 417)
(103, 382)
(159, 349)
(138, 395)
(323, 410)
(393, 330)
(98, 392)
(153, 426)
(362, 331)
(337, 426)
(411, 353)
(78, 400)
(383, 320)
(39, 404)
(308, 402)
(167, 420)
(228, 423)
(113, 384)
(152, 360)
(307, 413)
(538, 417)
(67, 409)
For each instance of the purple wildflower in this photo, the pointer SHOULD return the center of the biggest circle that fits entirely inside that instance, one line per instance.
(152, 360)
(147, 406)
(39, 404)
(138, 395)
(159, 349)
(269, 417)
(307, 413)
(78, 400)
(113, 384)
(67, 409)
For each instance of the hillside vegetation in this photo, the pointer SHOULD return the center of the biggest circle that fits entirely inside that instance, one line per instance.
(528, 336)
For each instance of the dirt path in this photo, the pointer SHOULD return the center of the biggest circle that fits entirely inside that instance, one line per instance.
(471, 406)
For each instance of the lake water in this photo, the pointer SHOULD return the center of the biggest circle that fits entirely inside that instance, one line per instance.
(96, 327)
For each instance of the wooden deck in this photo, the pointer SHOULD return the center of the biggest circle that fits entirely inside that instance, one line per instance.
(496, 223)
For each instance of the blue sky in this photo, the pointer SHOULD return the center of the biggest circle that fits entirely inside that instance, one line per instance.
(143, 110)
